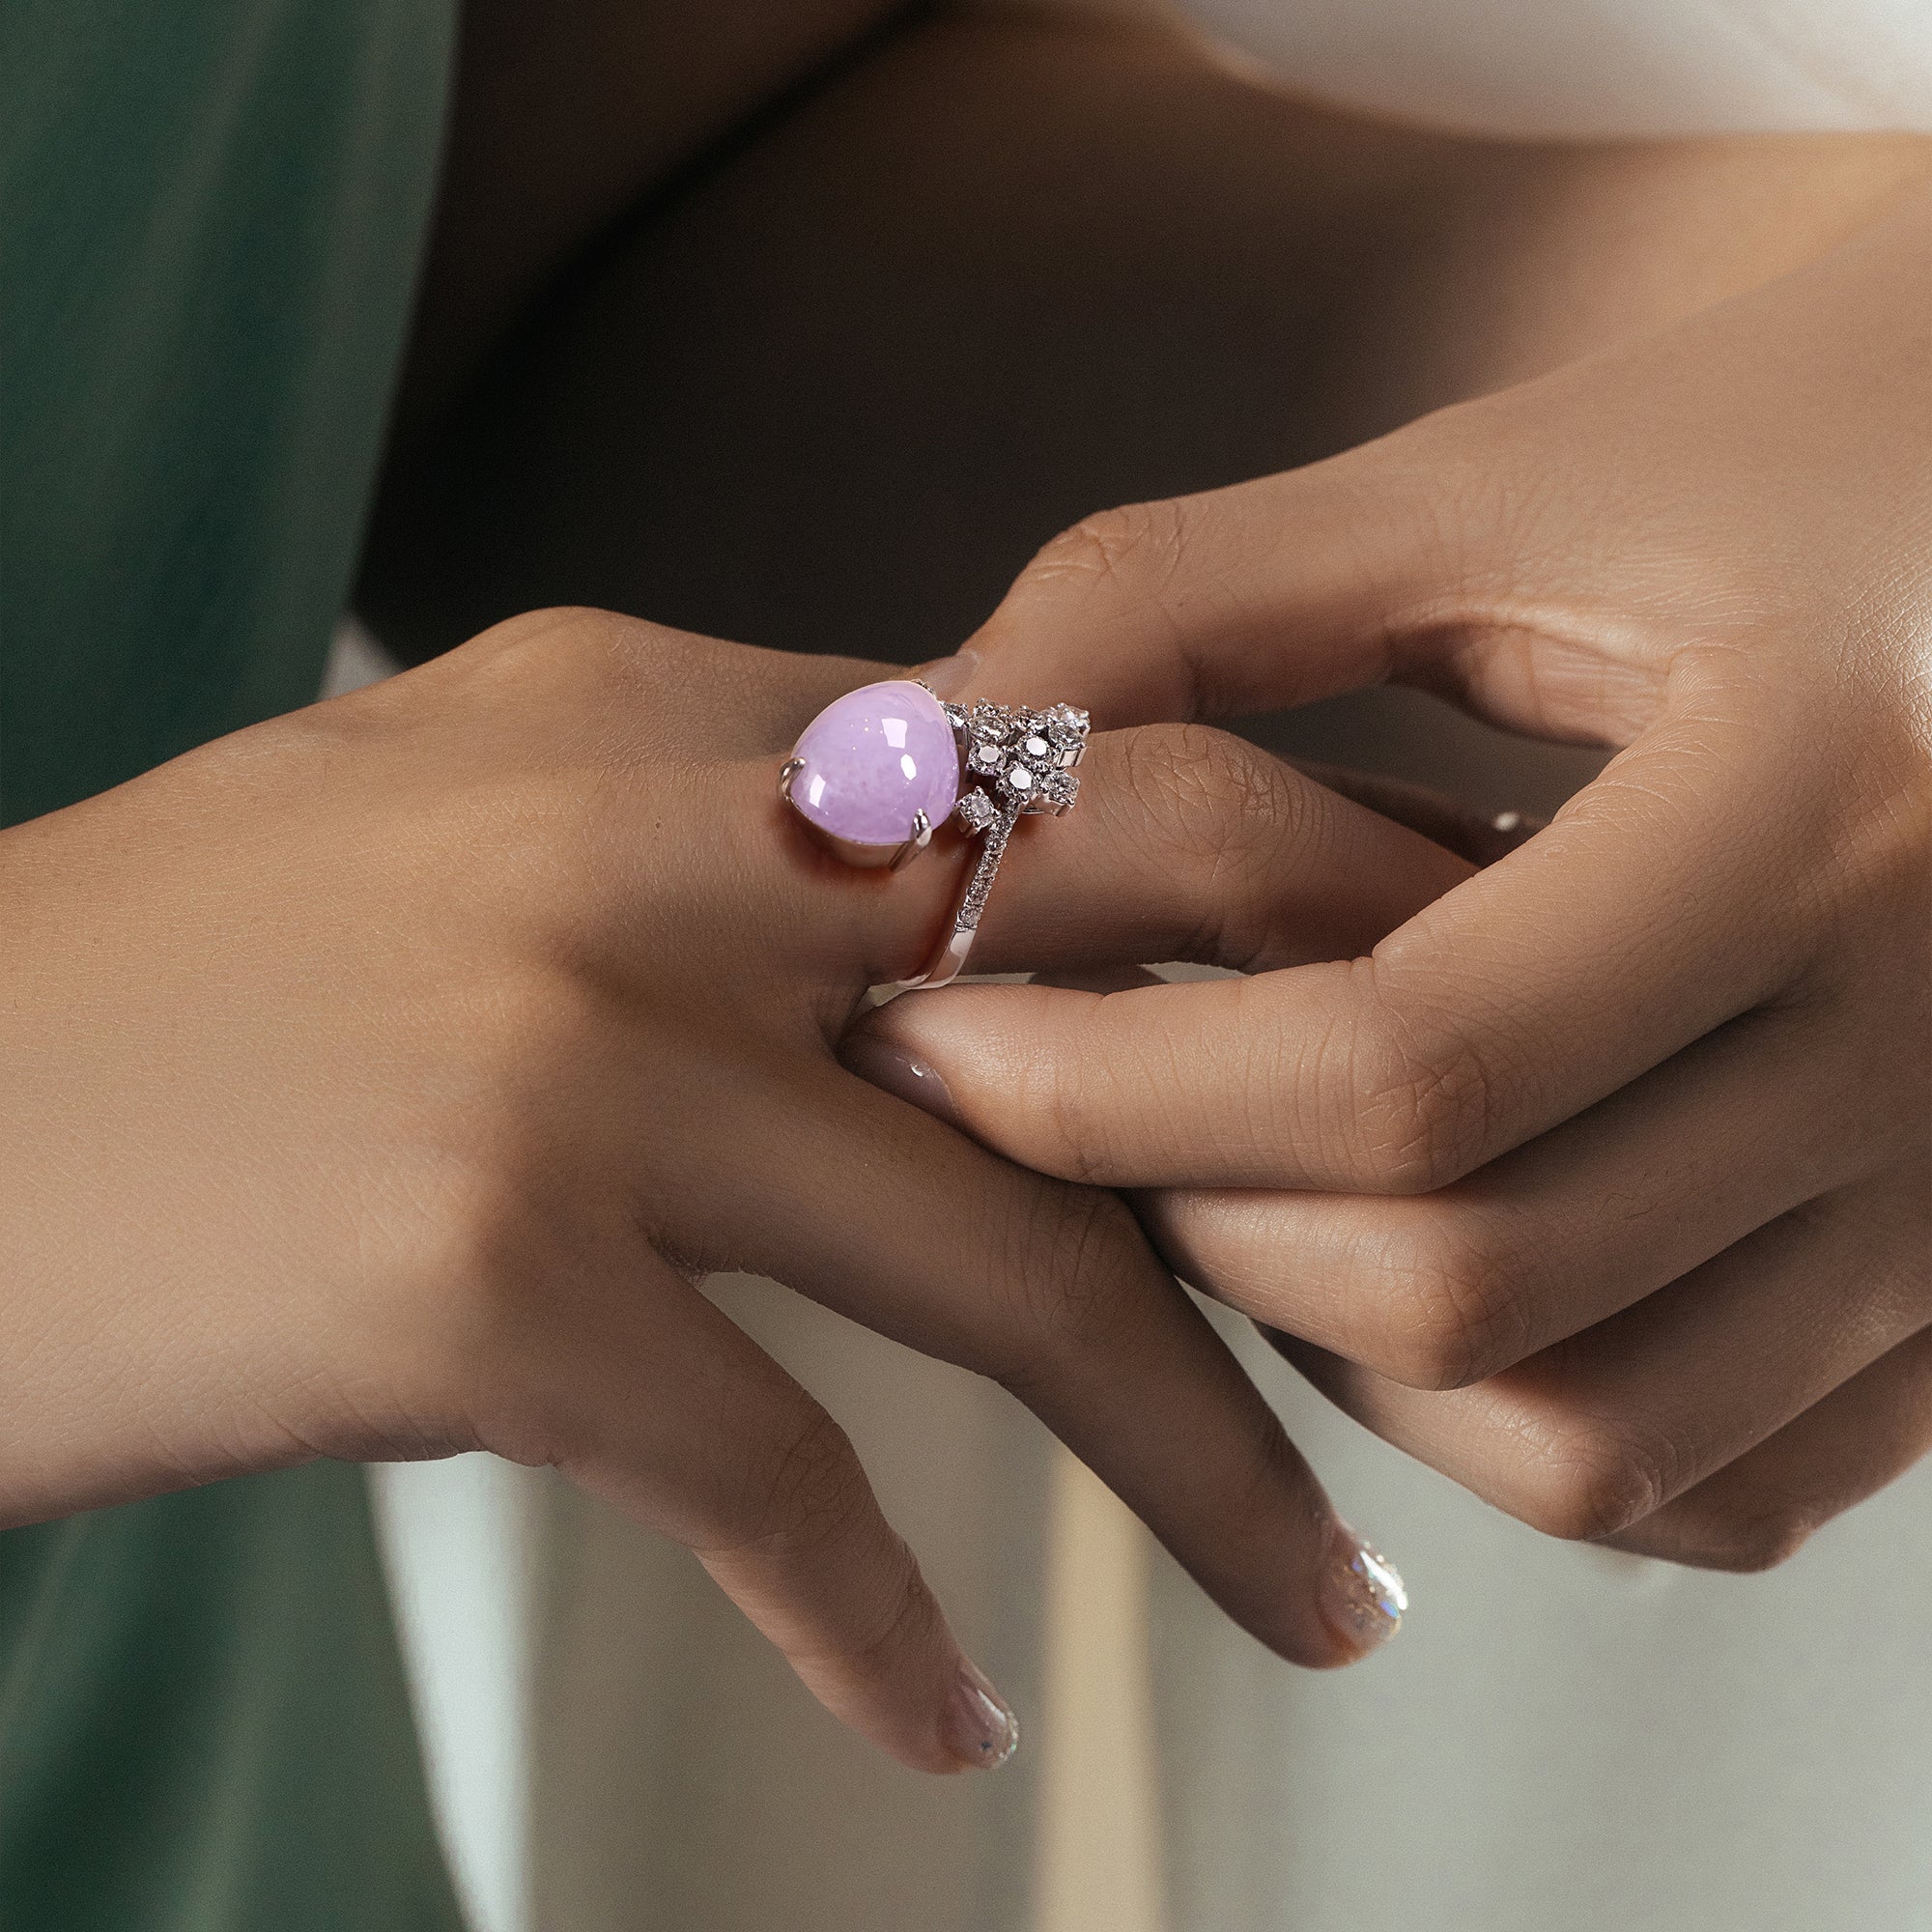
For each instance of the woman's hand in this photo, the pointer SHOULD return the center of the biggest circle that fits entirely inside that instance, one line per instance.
(381, 1081)
(1602, 1185)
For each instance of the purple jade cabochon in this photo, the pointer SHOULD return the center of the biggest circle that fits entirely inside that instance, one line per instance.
(872, 759)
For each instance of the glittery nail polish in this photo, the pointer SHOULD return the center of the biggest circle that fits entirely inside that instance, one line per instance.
(1362, 1591)
(980, 1730)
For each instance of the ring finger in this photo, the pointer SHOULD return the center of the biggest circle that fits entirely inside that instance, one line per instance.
(1186, 843)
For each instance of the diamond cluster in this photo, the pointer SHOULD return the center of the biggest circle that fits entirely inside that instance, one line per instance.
(1023, 759)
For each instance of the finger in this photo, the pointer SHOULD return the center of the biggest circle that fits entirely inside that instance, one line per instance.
(1186, 843)
(892, 1219)
(1761, 1508)
(1263, 595)
(681, 1421)
(1634, 925)
(1591, 1436)
(1447, 1288)
(1189, 843)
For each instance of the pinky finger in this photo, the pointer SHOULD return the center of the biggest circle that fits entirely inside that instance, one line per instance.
(679, 1419)
(1762, 1508)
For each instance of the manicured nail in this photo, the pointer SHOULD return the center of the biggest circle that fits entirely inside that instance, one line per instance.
(1362, 1592)
(899, 1073)
(947, 678)
(979, 1728)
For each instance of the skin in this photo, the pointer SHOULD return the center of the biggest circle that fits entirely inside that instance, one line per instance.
(1111, 268)
(382, 1081)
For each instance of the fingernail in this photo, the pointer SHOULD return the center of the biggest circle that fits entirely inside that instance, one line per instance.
(1362, 1594)
(979, 1728)
(947, 678)
(897, 1071)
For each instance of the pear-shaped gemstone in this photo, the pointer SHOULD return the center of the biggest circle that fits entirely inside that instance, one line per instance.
(872, 759)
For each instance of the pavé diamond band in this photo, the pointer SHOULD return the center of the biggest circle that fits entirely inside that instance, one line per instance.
(1025, 760)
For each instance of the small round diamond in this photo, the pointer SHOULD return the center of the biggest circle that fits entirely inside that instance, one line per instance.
(1020, 778)
(1038, 748)
(975, 811)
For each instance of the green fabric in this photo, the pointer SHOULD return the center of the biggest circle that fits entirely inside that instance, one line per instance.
(210, 219)
(210, 216)
(204, 1721)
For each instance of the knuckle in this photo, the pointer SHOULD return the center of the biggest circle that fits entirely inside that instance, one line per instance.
(1066, 1301)
(585, 664)
(480, 1209)
(457, 1309)
(1071, 1101)
(546, 834)
(1749, 1544)
(538, 647)
(1455, 1306)
(1132, 551)
(909, 1619)
(519, 1014)
(1422, 1116)
(1587, 1478)
(1220, 812)
(809, 1489)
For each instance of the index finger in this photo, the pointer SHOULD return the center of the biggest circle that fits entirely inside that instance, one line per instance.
(1252, 597)
(1629, 928)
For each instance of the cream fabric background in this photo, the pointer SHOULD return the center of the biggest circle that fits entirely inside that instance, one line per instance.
(1600, 66)
(1561, 1741)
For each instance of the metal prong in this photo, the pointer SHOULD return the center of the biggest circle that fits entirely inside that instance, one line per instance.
(922, 837)
(862, 856)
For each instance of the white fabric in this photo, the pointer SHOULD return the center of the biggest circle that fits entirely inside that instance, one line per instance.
(1562, 1740)
(1575, 67)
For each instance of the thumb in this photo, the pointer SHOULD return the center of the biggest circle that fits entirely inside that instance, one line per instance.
(1264, 594)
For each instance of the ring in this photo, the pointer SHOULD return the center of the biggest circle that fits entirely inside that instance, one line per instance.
(878, 769)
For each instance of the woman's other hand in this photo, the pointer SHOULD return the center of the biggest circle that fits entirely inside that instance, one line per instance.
(1602, 1183)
